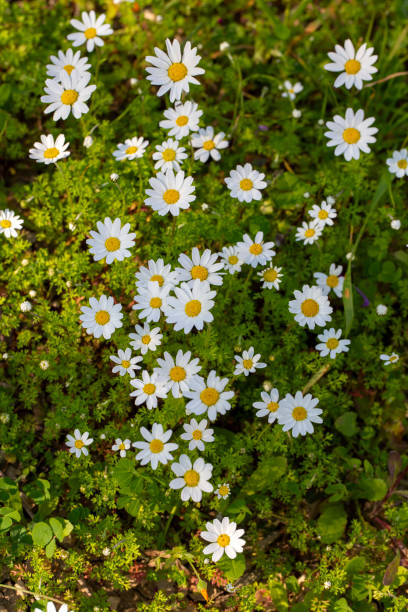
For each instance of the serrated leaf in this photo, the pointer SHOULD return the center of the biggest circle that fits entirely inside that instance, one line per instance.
(42, 534)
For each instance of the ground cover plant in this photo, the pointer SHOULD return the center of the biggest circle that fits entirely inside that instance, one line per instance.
(203, 304)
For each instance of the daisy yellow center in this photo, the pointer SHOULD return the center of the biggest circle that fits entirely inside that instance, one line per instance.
(209, 396)
(246, 184)
(177, 72)
(309, 232)
(270, 275)
(233, 259)
(351, 135)
(199, 272)
(79, 444)
(255, 249)
(182, 120)
(69, 96)
(51, 153)
(192, 308)
(112, 244)
(131, 150)
(273, 406)
(223, 490)
(122, 446)
(332, 343)
(223, 540)
(102, 317)
(402, 163)
(156, 446)
(149, 389)
(310, 308)
(247, 363)
(177, 373)
(191, 478)
(146, 339)
(69, 68)
(5, 223)
(197, 434)
(323, 214)
(125, 364)
(158, 278)
(299, 413)
(393, 358)
(332, 281)
(155, 302)
(171, 196)
(208, 145)
(169, 155)
(90, 33)
(352, 66)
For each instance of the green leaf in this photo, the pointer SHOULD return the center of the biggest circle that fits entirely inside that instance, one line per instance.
(233, 569)
(337, 492)
(279, 595)
(266, 474)
(391, 572)
(346, 424)
(50, 548)
(124, 471)
(38, 491)
(356, 565)
(238, 508)
(57, 527)
(42, 534)
(341, 605)
(331, 523)
(373, 489)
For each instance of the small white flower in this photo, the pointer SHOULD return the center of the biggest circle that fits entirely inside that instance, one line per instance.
(68, 96)
(192, 479)
(355, 66)
(178, 373)
(102, 317)
(324, 214)
(106, 551)
(395, 224)
(331, 344)
(245, 183)
(224, 537)
(155, 271)
(44, 365)
(67, 62)
(223, 491)
(298, 413)
(90, 29)
(181, 119)
(9, 223)
(333, 281)
(111, 241)
(126, 364)
(114, 177)
(327, 584)
(207, 144)
(122, 446)
(169, 155)
(203, 267)
(78, 442)
(230, 259)
(381, 310)
(255, 252)
(208, 396)
(25, 306)
(88, 141)
(309, 232)
(132, 148)
(248, 363)
(271, 277)
(148, 389)
(49, 151)
(191, 307)
(151, 301)
(197, 434)
(51, 608)
(306, 195)
(145, 339)
(296, 113)
(398, 163)
(388, 359)
(5, 356)
(224, 46)
(291, 90)
(351, 134)
(310, 307)
(157, 448)
(269, 406)
(170, 192)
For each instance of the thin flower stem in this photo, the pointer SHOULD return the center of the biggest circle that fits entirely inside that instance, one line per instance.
(264, 428)
(316, 377)
(387, 78)
(169, 520)
(37, 595)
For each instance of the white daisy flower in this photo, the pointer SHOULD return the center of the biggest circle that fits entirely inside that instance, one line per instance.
(68, 96)
(309, 232)
(224, 537)
(230, 259)
(78, 442)
(381, 310)
(192, 479)
(398, 163)
(324, 214)
(174, 71)
(149, 389)
(155, 271)
(169, 155)
(151, 301)
(170, 192)
(197, 433)
(122, 446)
(67, 62)
(157, 448)
(333, 280)
(271, 277)
(331, 344)
(178, 373)
(145, 339)
(126, 364)
(310, 307)
(388, 359)
(223, 491)
(90, 29)
(208, 396)
(181, 120)
(355, 66)
(52, 608)
(298, 413)
(248, 363)
(245, 183)
(111, 241)
(9, 223)
(269, 405)
(202, 267)
(132, 148)
(207, 144)
(49, 152)
(351, 134)
(191, 307)
(291, 90)
(255, 252)
(102, 317)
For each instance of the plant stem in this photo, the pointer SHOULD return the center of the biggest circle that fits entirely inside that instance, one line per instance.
(38, 595)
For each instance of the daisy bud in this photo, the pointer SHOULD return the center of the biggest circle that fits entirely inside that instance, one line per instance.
(381, 310)
(25, 306)
(224, 46)
(114, 177)
(32, 293)
(395, 224)
(88, 141)
(44, 365)
(296, 113)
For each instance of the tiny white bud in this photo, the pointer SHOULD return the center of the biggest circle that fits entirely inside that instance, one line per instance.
(306, 195)
(102, 436)
(24, 262)
(267, 385)
(68, 284)
(320, 122)
(350, 256)
(44, 365)
(106, 552)
(224, 46)
(327, 584)
(296, 113)
(330, 200)
(32, 293)
(5, 355)
(395, 224)
(381, 310)
(25, 306)
(204, 206)
(4, 417)
(88, 141)
(114, 177)
(133, 81)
